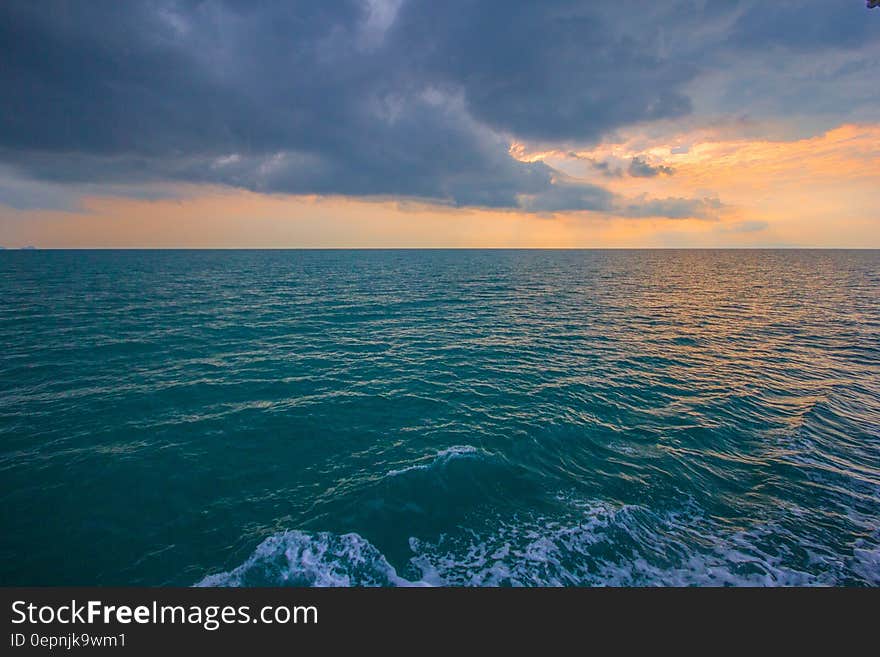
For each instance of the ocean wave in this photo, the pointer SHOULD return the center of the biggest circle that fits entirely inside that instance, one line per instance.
(440, 458)
(866, 559)
(622, 546)
(600, 544)
(321, 559)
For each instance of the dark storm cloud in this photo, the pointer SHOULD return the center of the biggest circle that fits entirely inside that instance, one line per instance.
(270, 96)
(353, 97)
(548, 70)
(804, 25)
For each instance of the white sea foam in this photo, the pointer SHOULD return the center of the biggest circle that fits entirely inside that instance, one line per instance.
(634, 546)
(598, 544)
(866, 561)
(440, 458)
(321, 559)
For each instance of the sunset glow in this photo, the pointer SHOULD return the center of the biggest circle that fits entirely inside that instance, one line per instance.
(731, 126)
(814, 192)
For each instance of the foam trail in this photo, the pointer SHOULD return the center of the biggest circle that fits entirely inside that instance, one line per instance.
(631, 545)
(598, 544)
(440, 458)
(321, 559)
(866, 559)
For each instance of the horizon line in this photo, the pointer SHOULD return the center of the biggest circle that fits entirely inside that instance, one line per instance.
(440, 248)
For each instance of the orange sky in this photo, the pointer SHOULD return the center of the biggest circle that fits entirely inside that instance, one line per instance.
(822, 191)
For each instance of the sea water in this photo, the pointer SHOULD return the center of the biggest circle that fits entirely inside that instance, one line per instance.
(449, 417)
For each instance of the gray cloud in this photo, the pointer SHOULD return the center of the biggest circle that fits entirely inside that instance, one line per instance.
(803, 25)
(639, 168)
(413, 99)
(566, 195)
(615, 168)
(606, 168)
(674, 208)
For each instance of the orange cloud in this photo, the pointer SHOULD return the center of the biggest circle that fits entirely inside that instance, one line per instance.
(820, 191)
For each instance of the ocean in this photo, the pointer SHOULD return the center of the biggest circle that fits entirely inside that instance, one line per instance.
(448, 417)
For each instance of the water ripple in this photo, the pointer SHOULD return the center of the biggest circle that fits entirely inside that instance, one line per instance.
(440, 417)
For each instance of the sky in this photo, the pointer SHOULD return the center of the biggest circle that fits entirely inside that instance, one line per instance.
(418, 123)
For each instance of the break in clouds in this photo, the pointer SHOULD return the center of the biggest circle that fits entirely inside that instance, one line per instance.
(404, 98)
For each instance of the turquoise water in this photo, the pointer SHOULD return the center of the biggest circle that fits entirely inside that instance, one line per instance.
(440, 417)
